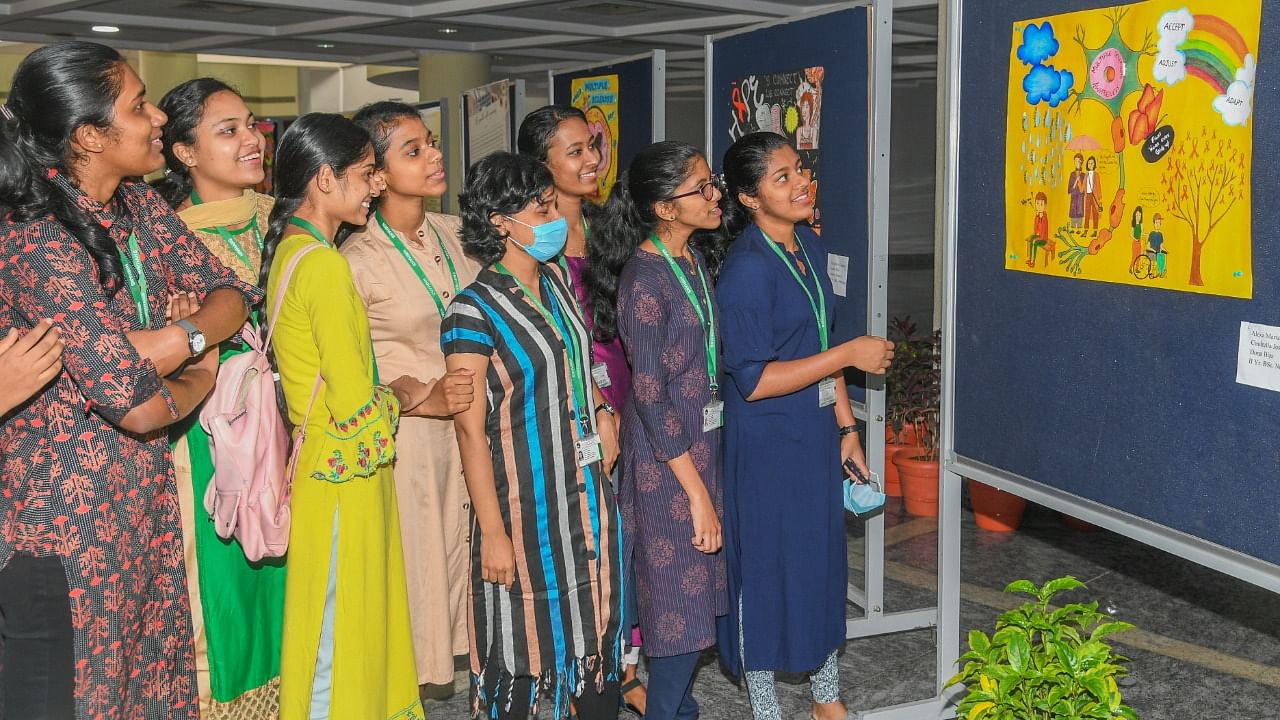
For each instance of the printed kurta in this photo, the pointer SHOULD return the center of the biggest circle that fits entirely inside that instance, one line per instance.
(560, 621)
(680, 591)
(73, 484)
(237, 608)
(430, 492)
(344, 470)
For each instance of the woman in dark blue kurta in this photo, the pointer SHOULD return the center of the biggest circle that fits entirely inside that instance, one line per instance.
(787, 427)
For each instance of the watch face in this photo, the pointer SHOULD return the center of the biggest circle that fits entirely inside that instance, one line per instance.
(197, 343)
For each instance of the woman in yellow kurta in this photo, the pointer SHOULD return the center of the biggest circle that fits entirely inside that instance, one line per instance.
(213, 157)
(408, 266)
(347, 649)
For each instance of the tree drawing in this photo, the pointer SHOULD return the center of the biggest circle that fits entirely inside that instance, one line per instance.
(1203, 180)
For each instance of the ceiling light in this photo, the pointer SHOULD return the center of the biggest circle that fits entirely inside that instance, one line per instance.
(447, 30)
(105, 28)
(325, 46)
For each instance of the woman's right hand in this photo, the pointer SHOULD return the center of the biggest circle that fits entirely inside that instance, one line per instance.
(410, 391)
(497, 559)
(28, 362)
(869, 353)
(707, 534)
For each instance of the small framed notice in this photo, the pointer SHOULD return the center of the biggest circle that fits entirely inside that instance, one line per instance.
(1258, 363)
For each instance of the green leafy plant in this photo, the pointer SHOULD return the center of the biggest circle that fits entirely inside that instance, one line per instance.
(912, 361)
(1044, 663)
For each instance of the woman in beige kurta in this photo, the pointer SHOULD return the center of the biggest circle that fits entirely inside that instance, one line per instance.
(405, 305)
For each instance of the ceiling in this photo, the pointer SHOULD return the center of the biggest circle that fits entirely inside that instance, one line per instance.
(523, 38)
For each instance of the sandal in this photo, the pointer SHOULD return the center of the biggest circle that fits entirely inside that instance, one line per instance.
(628, 686)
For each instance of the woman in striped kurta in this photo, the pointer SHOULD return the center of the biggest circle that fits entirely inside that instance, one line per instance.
(546, 586)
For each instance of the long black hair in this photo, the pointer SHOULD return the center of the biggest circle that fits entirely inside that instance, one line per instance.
(311, 142)
(627, 220)
(499, 184)
(539, 126)
(56, 90)
(377, 119)
(185, 105)
(745, 164)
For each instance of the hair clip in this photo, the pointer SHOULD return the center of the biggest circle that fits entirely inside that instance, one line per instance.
(8, 114)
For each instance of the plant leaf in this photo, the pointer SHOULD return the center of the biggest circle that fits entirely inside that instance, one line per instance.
(1019, 650)
(1023, 586)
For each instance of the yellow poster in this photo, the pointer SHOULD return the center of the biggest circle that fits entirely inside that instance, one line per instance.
(1130, 146)
(598, 98)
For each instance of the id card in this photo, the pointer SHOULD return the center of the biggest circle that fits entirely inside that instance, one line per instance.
(713, 415)
(600, 373)
(587, 450)
(827, 392)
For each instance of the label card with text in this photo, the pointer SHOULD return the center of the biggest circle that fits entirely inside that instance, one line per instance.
(1259, 360)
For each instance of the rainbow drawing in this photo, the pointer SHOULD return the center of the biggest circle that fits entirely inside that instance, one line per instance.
(1214, 51)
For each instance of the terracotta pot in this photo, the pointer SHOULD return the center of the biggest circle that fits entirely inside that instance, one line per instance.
(892, 444)
(919, 482)
(994, 509)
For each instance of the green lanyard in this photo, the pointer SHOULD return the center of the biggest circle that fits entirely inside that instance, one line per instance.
(136, 278)
(228, 236)
(570, 345)
(413, 262)
(707, 319)
(820, 307)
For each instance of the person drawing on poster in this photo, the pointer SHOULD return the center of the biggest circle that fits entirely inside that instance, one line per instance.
(1136, 222)
(1075, 190)
(1092, 195)
(1039, 233)
(1156, 242)
(807, 133)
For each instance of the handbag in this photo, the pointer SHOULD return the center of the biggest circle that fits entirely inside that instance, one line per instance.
(248, 497)
(862, 495)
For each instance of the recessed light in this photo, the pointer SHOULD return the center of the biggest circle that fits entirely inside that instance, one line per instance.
(325, 46)
(105, 28)
(447, 30)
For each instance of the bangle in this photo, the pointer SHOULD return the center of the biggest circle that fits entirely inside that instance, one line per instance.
(605, 407)
(848, 429)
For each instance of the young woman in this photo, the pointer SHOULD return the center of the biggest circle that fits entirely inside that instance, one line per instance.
(661, 304)
(788, 428)
(213, 158)
(408, 265)
(93, 594)
(546, 551)
(347, 650)
(559, 138)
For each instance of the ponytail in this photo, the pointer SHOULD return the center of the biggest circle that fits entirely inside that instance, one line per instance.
(277, 223)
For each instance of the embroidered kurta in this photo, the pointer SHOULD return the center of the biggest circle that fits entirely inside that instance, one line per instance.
(430, 492)
(559, 622)
(679, 590)
(237, 608)
(344, 470)
(76, 486)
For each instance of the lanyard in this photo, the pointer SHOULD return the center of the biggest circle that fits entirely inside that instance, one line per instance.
(312, 230)
(413, 262)
(570, 345)
(136, 278)
(820, 307)
(707, 319)
(228, 236)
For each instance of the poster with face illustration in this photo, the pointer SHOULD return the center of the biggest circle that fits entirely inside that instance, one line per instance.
(597, 97)
(1129, 145)
(789, 104)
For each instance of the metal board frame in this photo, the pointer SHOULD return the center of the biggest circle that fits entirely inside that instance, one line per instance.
(659, 89)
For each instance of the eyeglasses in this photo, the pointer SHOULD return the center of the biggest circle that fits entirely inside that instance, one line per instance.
(707, 190)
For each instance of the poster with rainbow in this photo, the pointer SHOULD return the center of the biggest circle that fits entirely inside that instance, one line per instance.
(1129, 145)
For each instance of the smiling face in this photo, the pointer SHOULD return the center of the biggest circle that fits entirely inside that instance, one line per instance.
(131, 146)
(227, 152)
(784, 190)
(693, 211)
(354, 190)
(573, 158)
(413, 167)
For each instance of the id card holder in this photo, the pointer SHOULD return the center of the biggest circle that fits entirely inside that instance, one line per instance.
(713, 415)
(587, 450)
(600, 373)
(827, 392)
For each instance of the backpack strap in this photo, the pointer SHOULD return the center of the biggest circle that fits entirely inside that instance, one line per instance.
(284, 285)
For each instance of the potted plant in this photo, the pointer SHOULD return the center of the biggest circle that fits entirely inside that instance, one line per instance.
(995, 509)
(899, 431)
(1043, 662)
(921, 394)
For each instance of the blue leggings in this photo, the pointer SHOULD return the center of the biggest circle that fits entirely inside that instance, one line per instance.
(670, 693)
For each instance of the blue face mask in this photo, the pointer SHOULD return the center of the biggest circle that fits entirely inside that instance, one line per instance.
(548, 238)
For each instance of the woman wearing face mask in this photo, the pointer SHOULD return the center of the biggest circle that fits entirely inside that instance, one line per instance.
(93, 593)
(546, 550)
(347, 649)
(408, 265)
(652, 289)
(213, 159)
(788, 428)
(558, 136)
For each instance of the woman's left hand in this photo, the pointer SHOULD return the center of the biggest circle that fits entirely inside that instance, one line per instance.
(851, 449)
(607, 426)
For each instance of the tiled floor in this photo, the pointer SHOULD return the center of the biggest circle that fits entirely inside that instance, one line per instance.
(1207, 646)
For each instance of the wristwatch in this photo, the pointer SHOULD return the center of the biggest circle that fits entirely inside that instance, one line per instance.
(605, 407)
(195, 338)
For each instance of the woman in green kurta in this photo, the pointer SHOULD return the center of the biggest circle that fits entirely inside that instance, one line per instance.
(213, 156)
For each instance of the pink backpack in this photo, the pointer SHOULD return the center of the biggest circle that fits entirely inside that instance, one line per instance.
(248, 497)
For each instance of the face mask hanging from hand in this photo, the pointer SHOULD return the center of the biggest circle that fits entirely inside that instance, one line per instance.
(548, 238)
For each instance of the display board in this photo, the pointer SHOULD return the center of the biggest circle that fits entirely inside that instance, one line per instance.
(1121, 400)
(490, 115)
(797, 78)
(626, 106)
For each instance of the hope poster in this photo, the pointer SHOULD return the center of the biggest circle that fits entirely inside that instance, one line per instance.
(597, 98)
(1129, 145)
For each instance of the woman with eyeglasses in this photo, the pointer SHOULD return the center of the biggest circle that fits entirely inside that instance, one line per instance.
(652, 289)
(408, 265)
